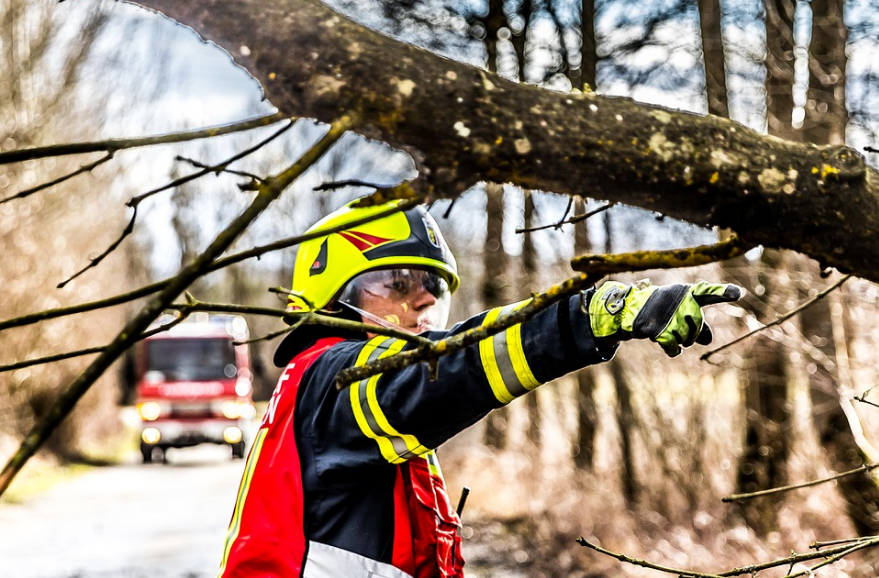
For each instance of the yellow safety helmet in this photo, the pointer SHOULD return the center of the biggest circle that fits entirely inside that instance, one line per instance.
(406, 239)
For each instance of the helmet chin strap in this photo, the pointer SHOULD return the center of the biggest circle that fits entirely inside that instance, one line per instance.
(376, 319)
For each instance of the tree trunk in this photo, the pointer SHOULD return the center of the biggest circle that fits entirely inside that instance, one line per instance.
(763, 462)
(860, 493)
(826, 114)
(780, 59)
(493, 21)
(520, 40)
(588, 47)
(624, 412)
(587, 421)
(530, 282)
(714, 58)
(494, 291)
(825, 122)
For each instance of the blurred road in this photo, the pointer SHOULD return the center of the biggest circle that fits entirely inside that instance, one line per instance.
(130, 521)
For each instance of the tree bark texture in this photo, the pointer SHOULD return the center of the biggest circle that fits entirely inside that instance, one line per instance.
(464, 125)
(713, 57)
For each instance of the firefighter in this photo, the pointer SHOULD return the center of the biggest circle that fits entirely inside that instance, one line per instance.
(346, 483)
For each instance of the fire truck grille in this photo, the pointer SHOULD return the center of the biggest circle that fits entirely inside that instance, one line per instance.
(191, 410)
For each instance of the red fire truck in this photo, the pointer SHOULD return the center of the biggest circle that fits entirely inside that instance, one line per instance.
(194, 385)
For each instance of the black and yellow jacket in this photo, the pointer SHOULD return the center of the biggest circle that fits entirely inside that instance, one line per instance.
(346, 483)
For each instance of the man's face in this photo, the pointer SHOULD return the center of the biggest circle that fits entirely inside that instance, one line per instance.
(412, 299)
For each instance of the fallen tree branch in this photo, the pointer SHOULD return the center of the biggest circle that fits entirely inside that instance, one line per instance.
(710, 171)
(268, 191)
(594, 266)
(780, 320)
(115, 145)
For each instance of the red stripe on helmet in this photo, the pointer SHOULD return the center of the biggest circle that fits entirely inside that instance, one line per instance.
(363, 241)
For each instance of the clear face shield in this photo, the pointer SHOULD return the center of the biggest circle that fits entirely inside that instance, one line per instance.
(414, 300)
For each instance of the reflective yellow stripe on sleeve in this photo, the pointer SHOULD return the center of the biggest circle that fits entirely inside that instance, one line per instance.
(394, 446)
(503, 359)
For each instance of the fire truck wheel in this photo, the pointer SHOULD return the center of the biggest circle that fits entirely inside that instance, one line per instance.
(146, 450)
(238, 450)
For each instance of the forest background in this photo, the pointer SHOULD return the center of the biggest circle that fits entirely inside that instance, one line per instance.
(634, 455)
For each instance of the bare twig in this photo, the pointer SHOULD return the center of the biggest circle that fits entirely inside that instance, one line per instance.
(269, 190)
(643, 563)
(115, 145)
(782, 489)
(50, 358)
(86, 351)
(222, 168)
(334, 185)
(829, 556)
(308, 318)
(219, 167)
(95, 261)
(83, 169)
(780, 320)
(571, 221)
(818, 545)
(135, 201)
(863, 397)
(147, 290)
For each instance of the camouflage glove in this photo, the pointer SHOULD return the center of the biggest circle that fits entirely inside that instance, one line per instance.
(670, 315)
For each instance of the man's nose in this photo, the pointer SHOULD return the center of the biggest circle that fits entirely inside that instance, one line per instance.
(422, 299)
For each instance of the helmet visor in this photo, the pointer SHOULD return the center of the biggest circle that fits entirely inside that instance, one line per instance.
(414, 300)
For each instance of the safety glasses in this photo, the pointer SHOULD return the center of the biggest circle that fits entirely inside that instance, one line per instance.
(414, 299)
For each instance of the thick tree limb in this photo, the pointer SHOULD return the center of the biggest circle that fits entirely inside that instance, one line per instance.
(465, 125)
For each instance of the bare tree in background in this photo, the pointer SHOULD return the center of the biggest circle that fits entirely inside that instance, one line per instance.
(41, 100)
(528, 284)
(825, 123)
(625, 413)
(494, 291)
(587, 418)
(713, 57)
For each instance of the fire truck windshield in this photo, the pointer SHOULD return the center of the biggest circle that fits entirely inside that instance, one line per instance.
(182, 359)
